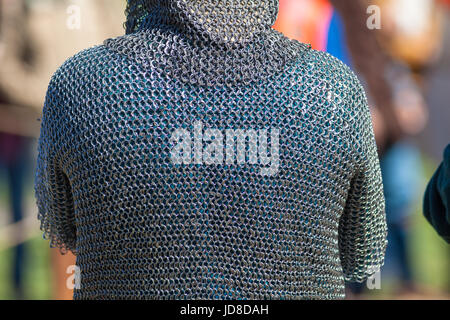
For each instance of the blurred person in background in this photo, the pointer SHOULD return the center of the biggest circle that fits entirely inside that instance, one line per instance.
(405, 24)
(418, 34)
(436, 78)
(16, 125)
(35, 38)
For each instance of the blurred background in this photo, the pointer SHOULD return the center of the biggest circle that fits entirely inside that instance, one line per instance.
(400, 49)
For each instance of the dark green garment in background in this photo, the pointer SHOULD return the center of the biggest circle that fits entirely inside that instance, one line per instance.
(436, 205)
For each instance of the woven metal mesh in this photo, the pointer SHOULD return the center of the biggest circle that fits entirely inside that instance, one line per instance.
(143, 227)
(226, 21)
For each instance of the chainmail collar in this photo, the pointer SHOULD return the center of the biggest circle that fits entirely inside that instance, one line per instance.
(222, 21)
(206, 42)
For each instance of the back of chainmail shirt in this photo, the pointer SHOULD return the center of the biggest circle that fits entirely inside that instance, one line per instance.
(203, 155)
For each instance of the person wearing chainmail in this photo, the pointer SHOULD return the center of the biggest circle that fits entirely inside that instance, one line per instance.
(203, 155)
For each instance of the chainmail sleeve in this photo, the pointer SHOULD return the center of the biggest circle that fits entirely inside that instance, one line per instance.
(52, 188)
(362, 227)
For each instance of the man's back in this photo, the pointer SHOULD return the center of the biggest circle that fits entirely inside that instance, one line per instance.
(225, 184)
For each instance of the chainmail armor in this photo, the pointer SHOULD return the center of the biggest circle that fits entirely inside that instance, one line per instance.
(143, 227)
